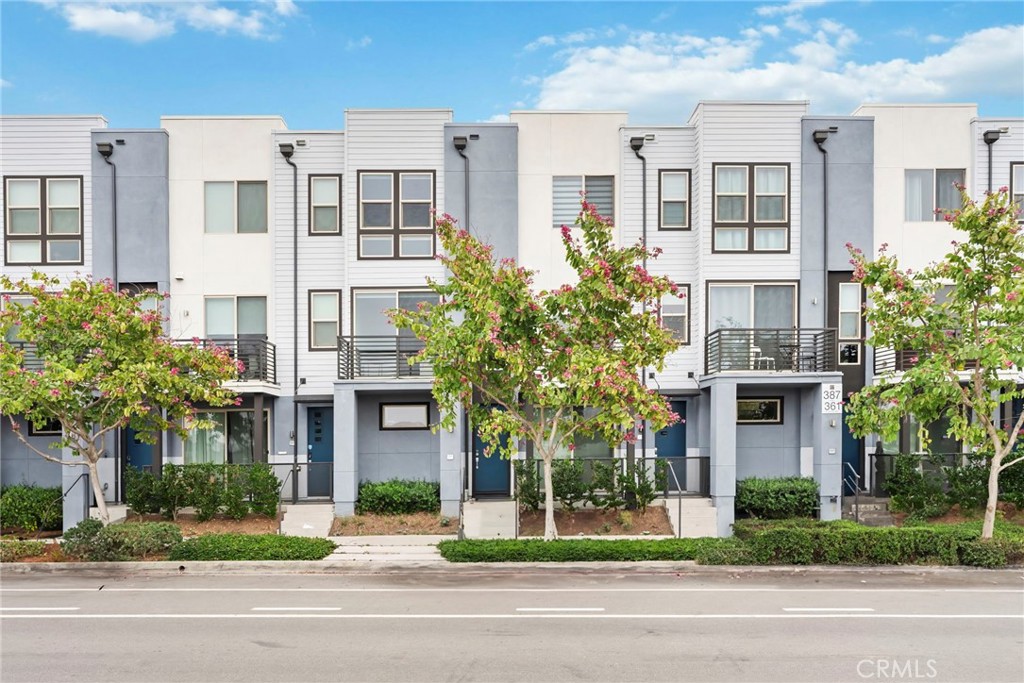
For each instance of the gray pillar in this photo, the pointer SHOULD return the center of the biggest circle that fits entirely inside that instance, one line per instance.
(827, 436)
(346, 458)
(76, 502)
(258, 436)
(451, 466)
(723, 454)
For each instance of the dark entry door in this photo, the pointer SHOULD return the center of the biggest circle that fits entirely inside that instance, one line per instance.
(851, 458)
(320, 440)
(139, 454)
(491, 475)
(670, 442)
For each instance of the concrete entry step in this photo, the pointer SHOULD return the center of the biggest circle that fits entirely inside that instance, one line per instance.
(489, 519)
(311, 520)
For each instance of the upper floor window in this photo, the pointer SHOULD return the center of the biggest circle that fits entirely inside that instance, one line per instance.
(565, 196)
(236, 206)
(394, 214)
(324, 204)
(370, 310)
(1017, 185)
(43, 221)
(751, 211)
(849, 323)
(324, 319)
(675, 314)
(236, 316)
(674, 189)
(928, 190)
(751, 305)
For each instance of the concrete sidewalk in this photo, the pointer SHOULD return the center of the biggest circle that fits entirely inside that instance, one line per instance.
(395, 550)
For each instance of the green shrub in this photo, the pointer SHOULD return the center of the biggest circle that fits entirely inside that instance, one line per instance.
(777, 498)
(987, 554)
(31, 508)
(398, 497)
(141, 490)
(567, 484)
(728, 551)
(968, 484)
(1011, 482)
(227, 547)
(11, 551)
(582, 550)
(604, 490)
(642, 485)
(120, 542)
(527, 484)
(264, 489)
(173, 490)
(916, 490)
(204, 485)
(233, 495)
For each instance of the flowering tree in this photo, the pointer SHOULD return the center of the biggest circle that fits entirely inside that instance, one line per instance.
(969, 344)
(536, 360)
(94, 360)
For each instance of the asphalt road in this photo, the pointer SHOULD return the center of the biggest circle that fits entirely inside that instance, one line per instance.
(530, 625)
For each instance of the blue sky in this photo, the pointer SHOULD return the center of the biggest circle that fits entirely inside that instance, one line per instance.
(308, 61)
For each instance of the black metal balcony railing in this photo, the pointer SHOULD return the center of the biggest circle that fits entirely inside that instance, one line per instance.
(258, 356)
(888, 359)
(31, 359)
(770, 350)
(380, 356)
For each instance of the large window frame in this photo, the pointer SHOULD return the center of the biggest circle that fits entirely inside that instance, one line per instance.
(681, 301)
(668, 198)
(236, 205)
(849, 308)
(43, 235)
(752, 285)
(235, 316)
(312, 181)
(773, 416)
(226, 451)
(314, 320)
(417, 425)
(560, 214)
(396, 292)
(928, 210)
(399, 204)
(1017, 188)
(751, 194)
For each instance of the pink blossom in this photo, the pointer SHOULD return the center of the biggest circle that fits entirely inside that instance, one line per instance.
(174, 371)
(86, 326)
(1011, 296)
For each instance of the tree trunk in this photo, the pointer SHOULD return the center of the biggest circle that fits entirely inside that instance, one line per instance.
(97, 489)
(550, 532)
(993, 497)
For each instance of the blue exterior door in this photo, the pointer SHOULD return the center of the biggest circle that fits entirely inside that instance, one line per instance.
(320, 444)
(670, 442)
(851, 457)
(139, 454)
(491, 475)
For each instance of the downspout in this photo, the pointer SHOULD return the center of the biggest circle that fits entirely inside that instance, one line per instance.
(106, 150)
(990, 137)
(820, 136)
(469, 456)
(287, 150)
(636, 144)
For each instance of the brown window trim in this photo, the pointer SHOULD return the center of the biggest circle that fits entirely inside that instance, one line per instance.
(750, 224)
(707, 297)
(380, 423)
(47, 429)
(689, 200)
(43, 237)
(689, 311)
(309, 204)
(309, 319)
(396, 216)
(353, 291)
(1020, 217)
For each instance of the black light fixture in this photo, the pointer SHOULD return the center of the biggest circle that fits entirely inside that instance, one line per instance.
(460, 142)
(105, 149)
(287, 149)
(991, 136)
(636, 143)
(821, 135)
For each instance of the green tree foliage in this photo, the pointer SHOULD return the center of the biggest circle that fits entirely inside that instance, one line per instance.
(94, 359)
(969, 345)
(536, 358)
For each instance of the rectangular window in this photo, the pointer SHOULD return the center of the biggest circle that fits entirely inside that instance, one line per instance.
(751, 306)
(928, 190)
(324, 320)
(751, 207)
(324, 204)
(759, 411)
(404, 416)
(235, 207)
(675, 314)
(48, 428)
(674, 189)
(395, 218)
(370, 307)
(43, 220)
(849, 353)
(565, 196)
(849, 310)
(242, 316)
(1017, 185)
(231, 439)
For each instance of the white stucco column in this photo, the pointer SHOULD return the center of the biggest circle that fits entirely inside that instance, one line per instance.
(723, 453)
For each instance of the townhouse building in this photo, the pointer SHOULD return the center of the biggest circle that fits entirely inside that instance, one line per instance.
(288, 247)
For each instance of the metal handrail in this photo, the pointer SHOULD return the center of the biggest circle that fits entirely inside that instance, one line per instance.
(258, 355)
(386, 356)
(83, 475)
(280, 494)
(679, 497)
(770, 350)
(856, 489)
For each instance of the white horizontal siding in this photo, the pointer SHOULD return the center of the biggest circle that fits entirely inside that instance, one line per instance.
(1009, 148)
(33, 145)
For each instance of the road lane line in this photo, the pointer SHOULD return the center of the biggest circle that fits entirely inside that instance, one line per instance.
(680, 617)
(39, 609)
(559, 609)
(513, 590)
(827, 609)
(296, 609)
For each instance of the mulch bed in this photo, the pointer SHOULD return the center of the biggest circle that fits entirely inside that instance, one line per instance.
(956, 515)
(591, 522)
(252, 524)
(393, 525)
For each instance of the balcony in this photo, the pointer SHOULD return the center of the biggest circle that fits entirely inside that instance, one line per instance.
(380, 357)
(31, 359)
(258, 355)
(770, 350)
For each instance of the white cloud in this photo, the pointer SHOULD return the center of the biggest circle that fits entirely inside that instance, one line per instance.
(659, 76)
(936, 39)
(142, 21)
(498, 118)
(543, 41)
(5, 83)
(358, 44)
(792, 7)
(571, 38)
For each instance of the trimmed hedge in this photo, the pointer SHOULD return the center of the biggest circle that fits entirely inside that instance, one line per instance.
(398, 497)
(31, 508)
(777, 498)
(582, 550)
(12, 551)
(93, 542)
(227, 547)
